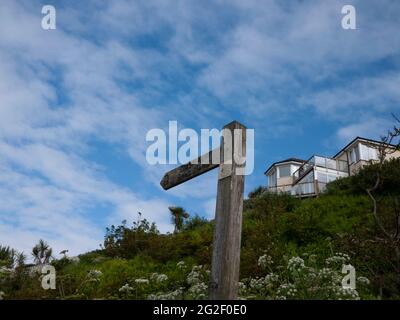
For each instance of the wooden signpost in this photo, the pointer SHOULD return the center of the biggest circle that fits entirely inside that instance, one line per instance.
(225, 262)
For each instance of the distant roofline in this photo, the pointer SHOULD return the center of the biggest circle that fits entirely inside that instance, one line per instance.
(284, 161)
(360, 138)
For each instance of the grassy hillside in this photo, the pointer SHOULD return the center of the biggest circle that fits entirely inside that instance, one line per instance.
(291, 249)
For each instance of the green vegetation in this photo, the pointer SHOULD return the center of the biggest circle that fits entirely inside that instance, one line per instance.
(291, 249)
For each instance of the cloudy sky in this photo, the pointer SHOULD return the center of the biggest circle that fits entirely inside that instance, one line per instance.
(76, 102)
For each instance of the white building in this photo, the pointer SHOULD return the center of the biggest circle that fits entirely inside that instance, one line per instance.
(308, 178)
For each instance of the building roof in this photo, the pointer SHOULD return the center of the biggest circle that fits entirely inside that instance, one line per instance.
(363, 139)
(284, 161)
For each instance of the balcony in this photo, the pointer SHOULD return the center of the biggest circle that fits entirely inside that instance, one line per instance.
(324, 162)
(308, 189)
(300, 190)
(285, 188)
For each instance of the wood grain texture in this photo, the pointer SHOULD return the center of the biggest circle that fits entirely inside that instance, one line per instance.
(190, 170)
(225, 265)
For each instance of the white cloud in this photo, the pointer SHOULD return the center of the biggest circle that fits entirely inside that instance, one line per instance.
(372, 128)
(95, 80)
(59, 92)
(358, 97)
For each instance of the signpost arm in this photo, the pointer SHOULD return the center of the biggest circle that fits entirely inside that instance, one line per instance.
(190, 170)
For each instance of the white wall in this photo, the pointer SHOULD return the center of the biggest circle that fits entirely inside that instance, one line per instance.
(368, 152)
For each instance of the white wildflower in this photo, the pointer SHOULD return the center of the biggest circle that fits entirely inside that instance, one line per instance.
(264, 261)
(347, 293)
(153, 276)
(256, 283)
(338, 259)
(197, 268)
(94, 275)
(194, 276)
(270, 279)
(325, 273)
(198, 290)
(241, 286)
(161, 278)
(287, 290)
(173, 295)
(295, 264)
(363, 280)
(125, 289)
(141, 281)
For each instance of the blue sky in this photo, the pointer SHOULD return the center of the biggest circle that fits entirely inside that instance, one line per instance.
(76, 102)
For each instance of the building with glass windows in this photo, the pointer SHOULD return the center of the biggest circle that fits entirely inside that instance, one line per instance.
(307, 178)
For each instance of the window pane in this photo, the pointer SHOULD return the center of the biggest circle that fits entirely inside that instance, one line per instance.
(352, 156)
(284, 171)
(357, 151)
(374, 154)
(272, 179)
(364, 152)
(322, 177)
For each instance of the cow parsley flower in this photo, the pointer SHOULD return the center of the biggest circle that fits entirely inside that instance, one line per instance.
(256, 283)
(161, 278)
(295, 264)
(264, 261)
(338, 259)
(125, 289)
(241, 286)
(194, 276)
(198, 289)
(94, 275)
(270, 279)
(141, 281)
(173, 295)
(347, 293)
(287, 290)
(158, 277)
(363, 280)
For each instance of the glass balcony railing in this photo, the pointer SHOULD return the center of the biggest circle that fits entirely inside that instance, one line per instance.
(324, 162)
(287, 188)
(308, 189)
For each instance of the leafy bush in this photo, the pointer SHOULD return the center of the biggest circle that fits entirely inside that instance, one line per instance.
(288, 246)
(366, 177)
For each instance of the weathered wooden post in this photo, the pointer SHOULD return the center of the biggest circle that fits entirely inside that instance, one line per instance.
(228, 217)
(225, 263)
